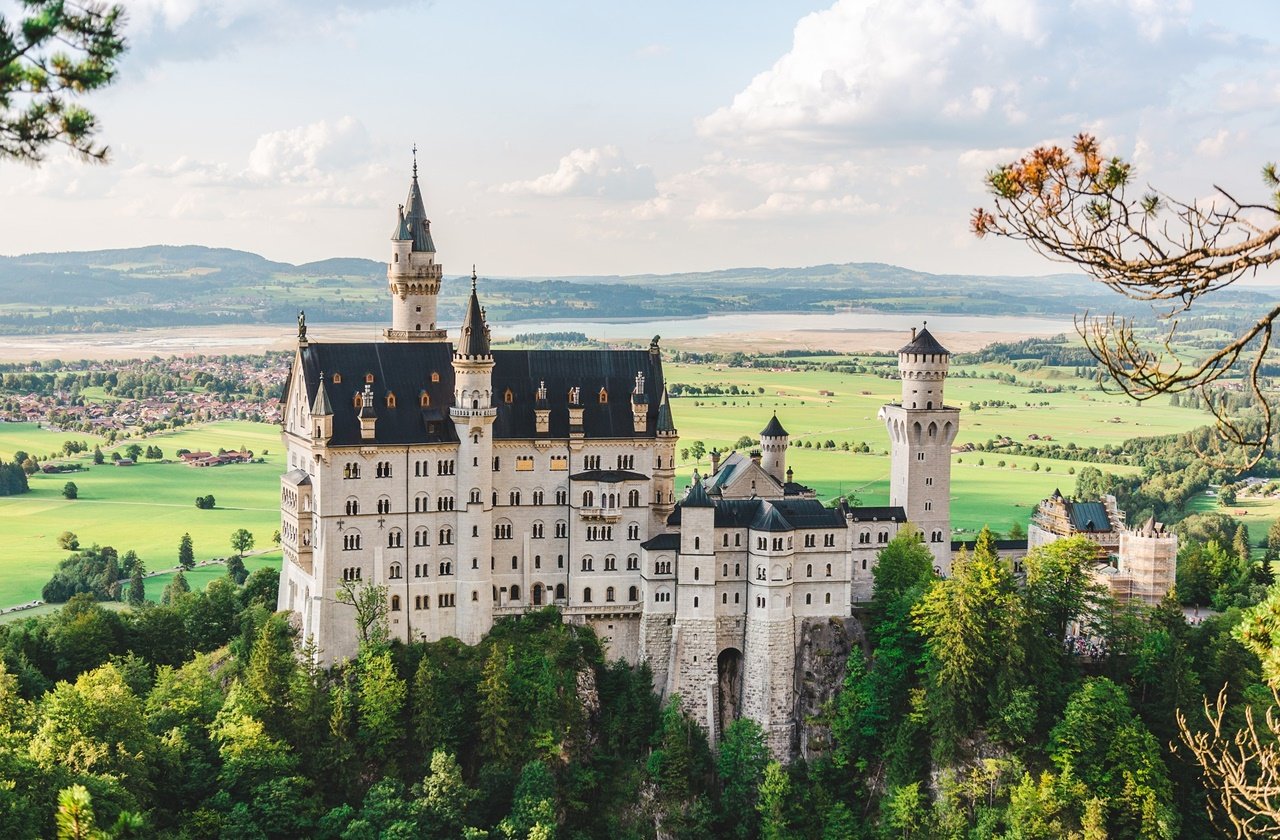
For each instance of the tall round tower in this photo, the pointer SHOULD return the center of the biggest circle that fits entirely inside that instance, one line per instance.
(413, 275)
(921, 430)
(773, 444)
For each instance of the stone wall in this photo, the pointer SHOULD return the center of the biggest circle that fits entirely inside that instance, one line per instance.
(767, 690)
(822, 655)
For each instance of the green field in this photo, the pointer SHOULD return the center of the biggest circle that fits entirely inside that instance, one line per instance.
(146, 507)
(30, 438)
(981, 495)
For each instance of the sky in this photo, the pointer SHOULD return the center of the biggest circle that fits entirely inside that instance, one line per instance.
(617, 137)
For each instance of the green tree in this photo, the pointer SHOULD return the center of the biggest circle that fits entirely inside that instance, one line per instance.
(70, 490)
(697, 449)
(445, 797)
(380, 703)
(98, 457)
(186, 553)
(50, 57)
(236, 569)
(1240, 545)
(133, 451)
(775, 788)
(497, 706)
(370, 604)
(137, 589)
(68, 541)
(175, 588)
(241, 541)
(740, 762)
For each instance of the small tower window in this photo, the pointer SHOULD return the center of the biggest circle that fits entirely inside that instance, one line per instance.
(337, 379)
(508, 397)
(604, 396)
(368, 378)
(391, 400)
(425, 399)
(435, 377)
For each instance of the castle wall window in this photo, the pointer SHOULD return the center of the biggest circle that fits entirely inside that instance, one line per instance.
(611, 563)
(497, 463)
(474, 498)
(697, 543)
(633, 563)
(444, 466)
(696, 574)
(761, 574)
(446, 568)
(383, 469)
(808, 598)
(508, 397)
(515, 593)
(562, 497)
(559, 561)
(351, 541)
(735, 597)
(588, 499)
(445, 599)
(446, 536)
(936, 536)
(395, 603)
(928, 505)
(424, 400)
(603, 396)
(420, 503)
(777, 543)
(353, 506)
(633, 531)
(762, 544)
(928, 482)
(524, 463)
(494, 498)
(608, 594)
(588, 564)
(864, 564)
(633, 594)
(828, 570)
(864, 538)
(633, 498)
(662, 567)
(591, 462)
(737, 540)
(695, 606)
(537, 561)
(514, 498)
(661, 596)
(475, 530)
(586, 595)
(808, 570)
(724, 597)
(337, 379)
(828, 597)
(502, 531)
(559, 591)
(421, 602)
(384, 505)
(919, 456)
(626, 462)
(351, 573)
(395, 538)
(810, 540)
(419, 570)
(444, 502)
(537, 530)
(559, 463)
(435, 377)
(538, 498)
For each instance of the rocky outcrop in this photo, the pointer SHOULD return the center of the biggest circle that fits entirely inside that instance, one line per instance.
(822, 655)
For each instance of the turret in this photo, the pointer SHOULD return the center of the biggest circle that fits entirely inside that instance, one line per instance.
(321, 414)
(413, 275)
(368, 415)
(922, 366)
(664, 473)
(774, 441)
(542, 410)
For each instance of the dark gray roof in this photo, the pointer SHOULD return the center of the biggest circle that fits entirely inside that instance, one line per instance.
(1001, 545)
(475, 332)
(774, 429)
(609, 476)
(1089, 517)
(405, 370)
(766, 515)
(875, 514)
(665, 423)
(415, 219)
(662, 542)
(297, 478)
(924, 344)
(696, 496)
(321, 407)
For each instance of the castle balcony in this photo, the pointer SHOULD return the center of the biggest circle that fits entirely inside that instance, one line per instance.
(600, 514)
(464, 413)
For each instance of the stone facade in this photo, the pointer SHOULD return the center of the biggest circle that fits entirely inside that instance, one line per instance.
(475, 483)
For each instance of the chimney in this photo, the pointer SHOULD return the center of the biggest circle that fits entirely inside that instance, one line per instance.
(715, 461)
(755, 457)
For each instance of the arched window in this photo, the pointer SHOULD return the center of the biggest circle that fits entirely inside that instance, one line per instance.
(586, 595)
(391, 400)
(424, 399)
(515, 593)
(633, 498)
(696, 573)
(395, 539)
(608, 594)
(808, 570)
(559, 591)
(697, 543)
(508, 397)
(395, 603)
(604, 396)
(828, 570)
(632, 593)
(353, 506)
(446, 568)
(588, 499)
(446, 536)
(420, 537)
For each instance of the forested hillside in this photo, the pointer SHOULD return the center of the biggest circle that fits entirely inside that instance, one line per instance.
(974, 713)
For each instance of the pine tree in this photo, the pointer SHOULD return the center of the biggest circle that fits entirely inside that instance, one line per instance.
(186, 553)
(137, 592)
(1241, 546)
(177, 587)
(497, 707)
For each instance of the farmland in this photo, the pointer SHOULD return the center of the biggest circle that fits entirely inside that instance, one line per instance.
(149, 506)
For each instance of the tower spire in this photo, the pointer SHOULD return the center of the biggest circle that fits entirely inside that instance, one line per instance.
(415, 161)
(413, 275)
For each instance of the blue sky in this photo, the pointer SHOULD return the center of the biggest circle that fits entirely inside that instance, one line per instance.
(629, 137)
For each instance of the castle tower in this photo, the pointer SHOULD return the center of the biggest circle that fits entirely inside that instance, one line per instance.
(774, 441)
(769, 643)
(694, 634)
(473, 414)
(1148, 562)
(664, 472)
(921, 431)
(413, 275)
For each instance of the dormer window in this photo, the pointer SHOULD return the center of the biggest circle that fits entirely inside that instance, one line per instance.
(391, 400)
(425, 400)
(435, 377)
(368, 378)
(337, 379)
(508, 397)
(604, 396)
(358, 400)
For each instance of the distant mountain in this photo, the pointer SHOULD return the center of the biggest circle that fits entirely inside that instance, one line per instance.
(165, 285)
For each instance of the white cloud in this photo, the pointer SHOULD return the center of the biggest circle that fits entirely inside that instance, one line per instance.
(598, 172)
(964, 72)
(1213, 145)
(307, 153)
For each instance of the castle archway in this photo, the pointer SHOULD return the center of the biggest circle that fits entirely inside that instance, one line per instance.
(728, 688)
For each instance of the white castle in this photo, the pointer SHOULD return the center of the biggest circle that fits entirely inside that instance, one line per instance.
(475, 483)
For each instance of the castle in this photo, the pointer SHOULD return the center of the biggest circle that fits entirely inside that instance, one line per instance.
(474, 483)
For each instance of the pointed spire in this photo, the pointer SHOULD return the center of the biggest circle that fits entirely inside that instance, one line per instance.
(774, 429)
(665, 423)
(475, 332)
(321, 407)
(697, 495)
(415, 223)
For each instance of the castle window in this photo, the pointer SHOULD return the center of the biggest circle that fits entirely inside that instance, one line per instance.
(351, 541)
(435, 377)
(697, 542)
(562, 497)
(446, 536)
(735, 597)
(695, 606)
(562, 530)
(357, 400)
(395, 539)
(829, 540)
(808, 599)
(514, 497)
(384, 505)
(777, 543)
(351, 470)
(725, 571)
(633, 593)
(559, 463)
(444, 600)
(420, 503)
(474, 498)
(446, 568)
(882, 537)
(588, 564)
(808, 570)
(337, 379)
(351, 573)
(919, 456)
(537, 530)
(586, 595)
(864, 564)
(828, 570)
(633, 563)
(538, 496)
(444, 503)
(828, 597)
(695, 573)
(604, 396)
(928, 482)
(424, 399)
(515, 593)
(497, 462)
(608, 594)
(559, 591)
(864, 538)
(537, 561)
(353, 506)
(633, 498)
(928, 505)
(502, 531)
(395, 603)
(368, 378)
(391, 400)
(508, 397)
(724, 597)
(588, 499)
(524, 463)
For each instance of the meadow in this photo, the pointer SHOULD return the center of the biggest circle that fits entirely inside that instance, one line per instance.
(147, 507)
